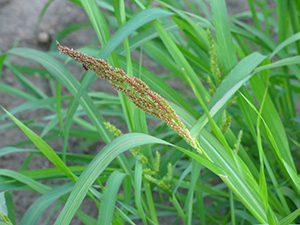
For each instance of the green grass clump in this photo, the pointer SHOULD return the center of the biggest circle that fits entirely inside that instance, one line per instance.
(222, 150)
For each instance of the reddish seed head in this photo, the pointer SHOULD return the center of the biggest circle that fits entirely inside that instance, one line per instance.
(134, 88)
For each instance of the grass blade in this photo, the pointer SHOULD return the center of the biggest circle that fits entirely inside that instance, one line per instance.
(109, 198)
(221, 23)
(96, 167)
(37, 209)
(44, 147)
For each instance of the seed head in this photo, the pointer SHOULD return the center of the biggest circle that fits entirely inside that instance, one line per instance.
(135, 89)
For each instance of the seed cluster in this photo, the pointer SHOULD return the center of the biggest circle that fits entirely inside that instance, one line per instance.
(135, 89)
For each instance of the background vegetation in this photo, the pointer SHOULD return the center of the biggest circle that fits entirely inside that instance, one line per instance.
(239, 101)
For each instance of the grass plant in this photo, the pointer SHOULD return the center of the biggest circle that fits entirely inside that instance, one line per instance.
(222, 150)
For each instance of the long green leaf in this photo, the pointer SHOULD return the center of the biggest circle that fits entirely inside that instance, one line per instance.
(233, 81)
(36, 210)
(36, 186)
(96, 167)
(44, 147)
(290, 218)
(109, 198)
(134, 23)
(62, 74)
(221, 24)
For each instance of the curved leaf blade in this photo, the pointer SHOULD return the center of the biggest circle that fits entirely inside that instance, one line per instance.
(131, 25)
(36, 210)
(109, 197)
(61, 73)
(97, 166)
(233, 81)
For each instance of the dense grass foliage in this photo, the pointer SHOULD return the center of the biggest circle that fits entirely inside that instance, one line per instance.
(238, 160)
